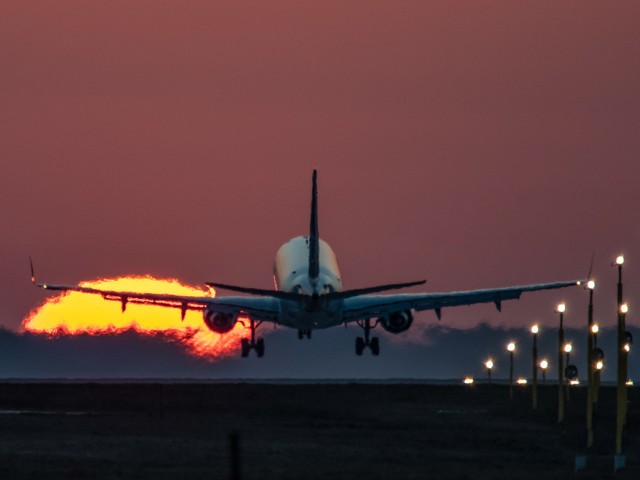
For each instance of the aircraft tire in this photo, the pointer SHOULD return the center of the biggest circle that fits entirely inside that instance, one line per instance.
(245, 348)
(260, 347)
(375, 346)
(359, 346)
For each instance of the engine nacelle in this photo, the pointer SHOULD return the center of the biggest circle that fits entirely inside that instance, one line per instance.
(397, 322)
(219, 322)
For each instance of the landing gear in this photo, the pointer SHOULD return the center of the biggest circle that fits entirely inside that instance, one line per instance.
(303, 333)
(375, 346)
(246, 348)
(372, 343)
(248, 344)
(260, 347)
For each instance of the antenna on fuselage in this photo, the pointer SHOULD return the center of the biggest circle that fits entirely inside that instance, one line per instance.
(314, 238)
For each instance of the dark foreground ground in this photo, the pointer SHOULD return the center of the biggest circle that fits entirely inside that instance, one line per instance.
(368, 431)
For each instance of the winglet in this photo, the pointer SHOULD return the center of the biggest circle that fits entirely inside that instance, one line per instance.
(33, 275)
(314, 238)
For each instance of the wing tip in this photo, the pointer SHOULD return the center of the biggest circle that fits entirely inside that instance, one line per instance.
(33, 275)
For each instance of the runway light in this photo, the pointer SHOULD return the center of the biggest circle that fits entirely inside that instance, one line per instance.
(468, 380)
(489, 364)
(591, 284)
(624, 308)
(511, 347)
(595, 328)
(568, 347)
(561, 308)
(544, 364)
(627, 347)
(599, 365)
(535, 329)
(629, 382)
(574, 382)
(521, 381)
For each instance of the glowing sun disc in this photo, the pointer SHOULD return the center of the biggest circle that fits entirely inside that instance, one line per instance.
(75, 313)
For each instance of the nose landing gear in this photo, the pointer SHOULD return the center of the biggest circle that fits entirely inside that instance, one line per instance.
(304, 333)
(248, 344)
(366, 341)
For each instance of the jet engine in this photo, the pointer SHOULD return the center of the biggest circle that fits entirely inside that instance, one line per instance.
(397, 322)
(219, 322)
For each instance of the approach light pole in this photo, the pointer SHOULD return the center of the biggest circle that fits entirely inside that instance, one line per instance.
(560, 309)
(534, 390)
(627, 340)
(567, 350)
(599, 366)
(489, 365)
(621, 387)
(511, 347)
(544, 364)
(591, 285)
(598, 359)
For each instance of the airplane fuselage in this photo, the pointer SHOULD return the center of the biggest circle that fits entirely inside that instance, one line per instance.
(291, 274)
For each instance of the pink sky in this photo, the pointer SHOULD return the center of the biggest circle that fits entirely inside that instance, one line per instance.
(474, 144)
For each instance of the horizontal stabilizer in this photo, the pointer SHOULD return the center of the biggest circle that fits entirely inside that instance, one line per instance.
(328, 296)
(258, 291)
(377, 289)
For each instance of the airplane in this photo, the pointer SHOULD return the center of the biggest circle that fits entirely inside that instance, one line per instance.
(309, 295)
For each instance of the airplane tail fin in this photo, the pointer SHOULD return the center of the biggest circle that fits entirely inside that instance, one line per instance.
(314, 238)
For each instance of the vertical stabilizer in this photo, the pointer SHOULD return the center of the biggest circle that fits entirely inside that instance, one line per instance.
(314, 239)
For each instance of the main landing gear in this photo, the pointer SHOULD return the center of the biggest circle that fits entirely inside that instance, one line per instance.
(304, 333)
(372, 343)
(248, 344)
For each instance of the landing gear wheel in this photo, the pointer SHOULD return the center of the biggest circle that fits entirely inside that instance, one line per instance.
(248, 344)
(246, 347)
(260, 347)
(367, 341)
(304, 333)
(375, 346)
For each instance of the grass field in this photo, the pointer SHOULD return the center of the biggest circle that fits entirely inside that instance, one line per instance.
(311, 431)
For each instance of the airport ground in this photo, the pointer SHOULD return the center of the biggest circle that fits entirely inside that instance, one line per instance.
(294, 431)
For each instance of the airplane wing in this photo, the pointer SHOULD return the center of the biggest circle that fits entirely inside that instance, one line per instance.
(371, 306)
(258, 308)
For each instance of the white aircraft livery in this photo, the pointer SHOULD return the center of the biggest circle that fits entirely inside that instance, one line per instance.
(309, 295)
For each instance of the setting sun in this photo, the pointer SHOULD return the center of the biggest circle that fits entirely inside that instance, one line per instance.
(77, 313)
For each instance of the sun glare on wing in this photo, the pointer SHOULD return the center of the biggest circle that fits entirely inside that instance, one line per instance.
(75, 313)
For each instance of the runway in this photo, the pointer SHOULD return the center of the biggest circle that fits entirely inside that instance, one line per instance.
(291, 431)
